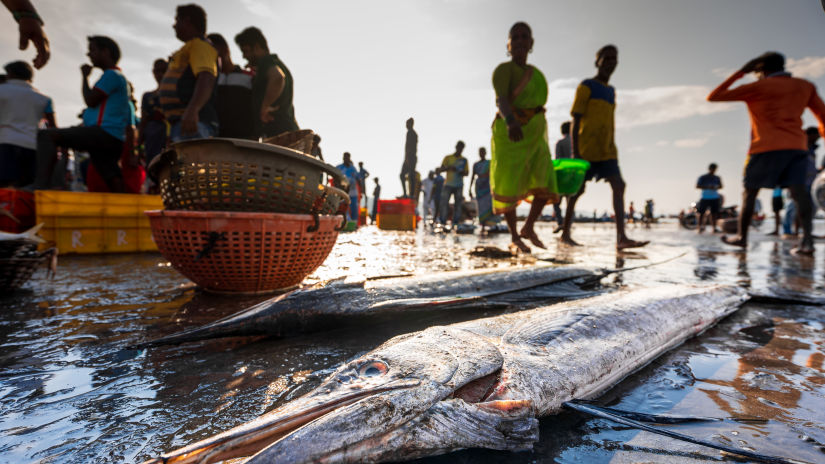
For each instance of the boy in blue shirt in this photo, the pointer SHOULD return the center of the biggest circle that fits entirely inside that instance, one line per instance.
(105, 120)
(710, 184)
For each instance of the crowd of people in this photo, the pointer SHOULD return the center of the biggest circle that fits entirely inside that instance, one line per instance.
(201, 93)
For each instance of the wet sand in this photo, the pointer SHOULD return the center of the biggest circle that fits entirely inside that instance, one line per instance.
(71, 392)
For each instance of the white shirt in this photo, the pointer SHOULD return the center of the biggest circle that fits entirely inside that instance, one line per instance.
(21, 109)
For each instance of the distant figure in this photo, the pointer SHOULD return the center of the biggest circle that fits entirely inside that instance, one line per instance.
(777, 205)
(438, 189)
(427, 188)
(778, 153)
(631, 214)
(563, 151)
(316, 147)
(352, 179)
(272, 86)
(410, 160)
(362, 180)
(592, 139)
(186, 91)
(709, 184)
(30, 27)
(648, 216)
(22, 107)
(520, 164)
(107, 115)
(455, 165)
(484, 197)
(376, 194)
(234, 95)
(152, 128)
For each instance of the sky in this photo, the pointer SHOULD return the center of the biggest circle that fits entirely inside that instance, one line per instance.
(362, 67)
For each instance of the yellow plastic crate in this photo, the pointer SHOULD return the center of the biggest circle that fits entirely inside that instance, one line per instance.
(82, 222)
(396, 221)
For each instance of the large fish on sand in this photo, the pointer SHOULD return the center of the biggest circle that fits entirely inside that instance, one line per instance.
(316, 308)
(476, 384)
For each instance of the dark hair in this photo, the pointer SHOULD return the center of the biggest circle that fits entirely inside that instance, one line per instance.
(19, 70)
(712, 166)
(217, 40)
(605, 49)
(810, 130)
(772, 62)
(565, 127)
(251, 36)
(195, 15)
(460, 142)
(160, 60)
(106, 43)
(520, 24)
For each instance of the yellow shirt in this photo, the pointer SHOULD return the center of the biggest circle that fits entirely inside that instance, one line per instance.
(596, 103)
(178, 84)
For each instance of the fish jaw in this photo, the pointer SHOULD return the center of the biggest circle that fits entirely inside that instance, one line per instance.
(363, 400)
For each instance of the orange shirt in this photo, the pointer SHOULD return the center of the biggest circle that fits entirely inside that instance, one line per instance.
(775, 104)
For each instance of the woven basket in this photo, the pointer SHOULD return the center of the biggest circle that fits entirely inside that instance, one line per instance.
(243, 252)
(242, 176)
(18, 249)
(14, 272)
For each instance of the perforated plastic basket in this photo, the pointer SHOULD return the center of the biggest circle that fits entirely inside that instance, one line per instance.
(220, 174)
(243, 252)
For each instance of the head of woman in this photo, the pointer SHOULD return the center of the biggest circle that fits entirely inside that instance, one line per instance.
(520, 41)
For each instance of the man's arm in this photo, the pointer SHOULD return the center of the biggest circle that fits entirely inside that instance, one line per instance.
(203, 91)
(30, 27)
(574, 135)
(275, 83)
(724, 93)
(818, 109)
(91, 96)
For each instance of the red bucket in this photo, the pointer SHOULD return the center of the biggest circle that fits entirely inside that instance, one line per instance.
(243, 252)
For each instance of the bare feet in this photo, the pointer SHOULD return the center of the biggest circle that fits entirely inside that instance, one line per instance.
(802, 250)
(566, 240)
(534, 239)
(628, 243)
(734, 241)
(518, 246)
(557, 230)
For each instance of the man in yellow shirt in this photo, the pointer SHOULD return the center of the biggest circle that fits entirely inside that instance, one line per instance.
(456, 167)
(187, 89)
(592, 140)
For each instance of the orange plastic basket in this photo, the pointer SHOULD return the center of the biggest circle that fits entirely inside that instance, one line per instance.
(243, 252)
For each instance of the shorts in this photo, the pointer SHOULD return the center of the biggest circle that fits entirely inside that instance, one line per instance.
(780, 168)
(601, 170)
(777, 203)
(714, 205)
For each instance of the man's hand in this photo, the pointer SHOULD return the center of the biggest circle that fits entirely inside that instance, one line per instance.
(189, 122)
(31, 31)
(267, 114)
(86, 69)
(514, 132)
(751, 66)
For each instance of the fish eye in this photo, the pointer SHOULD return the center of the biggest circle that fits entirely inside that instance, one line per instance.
(372, 369)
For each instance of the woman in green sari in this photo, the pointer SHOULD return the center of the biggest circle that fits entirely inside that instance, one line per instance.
(521, 165)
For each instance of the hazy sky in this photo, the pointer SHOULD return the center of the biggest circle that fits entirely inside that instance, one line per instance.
(361, 68)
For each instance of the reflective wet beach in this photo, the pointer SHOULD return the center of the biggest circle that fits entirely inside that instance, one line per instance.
(72, 392)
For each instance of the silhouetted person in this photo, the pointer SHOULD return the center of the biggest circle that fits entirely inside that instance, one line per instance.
(710, 201)
(592, 139)
(22, 107)
(563, 150)
(456, 167)
(272, 86)
(187, 88)
(376, 195)
(233, 101)
(410, 160)
(152, 128)
(778, 153)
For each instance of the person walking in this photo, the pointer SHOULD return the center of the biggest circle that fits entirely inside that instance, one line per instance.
(710, 201)
(521, 164)
(456, 167)
(410, 160)
(484, 197)
(778, 152)
(376, 195)
(592, 139)
(563, 151)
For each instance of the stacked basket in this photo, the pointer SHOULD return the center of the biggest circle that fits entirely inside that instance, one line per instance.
(18, 260)
(244, 216)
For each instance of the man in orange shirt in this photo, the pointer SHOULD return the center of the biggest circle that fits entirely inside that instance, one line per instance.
(778, 152)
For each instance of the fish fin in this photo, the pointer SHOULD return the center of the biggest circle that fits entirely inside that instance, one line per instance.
(31, 234)
(407, 303)
(542, 329)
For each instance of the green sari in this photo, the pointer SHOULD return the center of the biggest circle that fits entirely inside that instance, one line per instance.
(522, 169)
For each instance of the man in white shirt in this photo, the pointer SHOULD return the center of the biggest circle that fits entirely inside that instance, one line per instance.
(22, 108)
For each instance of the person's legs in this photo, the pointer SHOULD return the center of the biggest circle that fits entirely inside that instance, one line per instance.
(701, 211)
(516, 243)
(403, 177)
(788, 219)
(527, 230)
(748, 200)
(78, 138)
(445, 203)
(569, 214)
(617, 184)
(804, 211)
(559, 216)
(715, 208)
(458, 204)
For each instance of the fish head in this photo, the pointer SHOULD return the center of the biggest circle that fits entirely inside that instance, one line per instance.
(405, 399)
